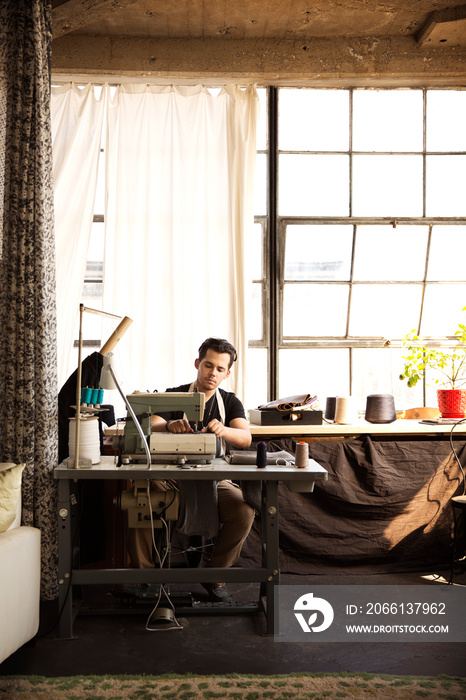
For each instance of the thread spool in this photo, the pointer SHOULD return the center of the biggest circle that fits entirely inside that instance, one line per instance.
(380, 408)
(94, 394)
(100, 397)
(345, 411)
(330, 406)
(261, 456)
(302, 455)
(89, 439)
(86, 395)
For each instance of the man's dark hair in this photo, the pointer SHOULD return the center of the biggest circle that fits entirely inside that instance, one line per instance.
(219, 345)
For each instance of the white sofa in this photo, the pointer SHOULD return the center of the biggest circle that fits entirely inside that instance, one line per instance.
(19, 567)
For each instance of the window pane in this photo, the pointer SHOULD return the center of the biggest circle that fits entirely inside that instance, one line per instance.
(315, 310)
(95, 252)
(313, 185)
(445, 185)
(447, 253)
(256, 385)
(445, 120)
(443, 304)
(254, 312)
(254, 254)
(318, 252)
(313, 120)
(322, 373)
(384, 253)
(261, 132)
(387, 120)
(99, 201)
(377, 371)
(387, 185)
(93, 325)
(260, 185)
(384, 311)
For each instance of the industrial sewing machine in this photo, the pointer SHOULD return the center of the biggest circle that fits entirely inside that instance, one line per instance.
(167, 447)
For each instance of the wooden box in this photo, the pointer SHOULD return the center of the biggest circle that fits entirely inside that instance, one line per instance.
(295, 417)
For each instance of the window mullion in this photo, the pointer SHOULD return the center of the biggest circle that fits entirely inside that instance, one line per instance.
(275, 310)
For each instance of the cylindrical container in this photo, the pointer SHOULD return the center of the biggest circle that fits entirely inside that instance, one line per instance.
(261, 457)
(302, 455)
(86, 395)
(345, 410)
(380, 408)
(330, 406)
(89, 439)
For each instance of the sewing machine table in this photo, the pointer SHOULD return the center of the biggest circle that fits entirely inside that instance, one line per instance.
(268, 574)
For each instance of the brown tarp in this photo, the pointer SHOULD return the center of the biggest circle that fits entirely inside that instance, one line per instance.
(385, 507)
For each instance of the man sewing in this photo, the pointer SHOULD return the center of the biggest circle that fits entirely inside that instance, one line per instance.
(225, 417)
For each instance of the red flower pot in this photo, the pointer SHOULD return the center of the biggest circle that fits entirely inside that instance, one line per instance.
(452, 402)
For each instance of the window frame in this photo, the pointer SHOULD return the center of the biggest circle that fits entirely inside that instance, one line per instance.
(275, 241)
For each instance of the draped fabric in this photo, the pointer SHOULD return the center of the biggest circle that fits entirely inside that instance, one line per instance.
(77, 118)
(180, 174)
(386, 507)
(28, 375)
(179, 182)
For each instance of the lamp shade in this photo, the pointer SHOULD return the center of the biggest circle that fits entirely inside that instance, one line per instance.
(106, 379)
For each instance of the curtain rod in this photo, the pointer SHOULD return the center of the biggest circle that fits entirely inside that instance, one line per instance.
(114, 81)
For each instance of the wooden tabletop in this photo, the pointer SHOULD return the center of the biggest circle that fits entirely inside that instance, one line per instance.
(399, 427)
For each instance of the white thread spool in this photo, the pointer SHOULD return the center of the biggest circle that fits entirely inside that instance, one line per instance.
(345, 410)
(302, 455)
(89, 440)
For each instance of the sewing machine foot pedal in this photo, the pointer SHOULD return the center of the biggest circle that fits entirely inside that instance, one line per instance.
(133, 593)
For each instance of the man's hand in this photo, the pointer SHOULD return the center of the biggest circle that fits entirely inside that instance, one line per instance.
(216, 427)
(178, 426)
(237, 434)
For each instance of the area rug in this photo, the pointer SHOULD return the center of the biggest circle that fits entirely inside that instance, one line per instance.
(354, 686)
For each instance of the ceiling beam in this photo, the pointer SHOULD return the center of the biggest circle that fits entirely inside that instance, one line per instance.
(450, 21)
(71, 15)
(397, 62)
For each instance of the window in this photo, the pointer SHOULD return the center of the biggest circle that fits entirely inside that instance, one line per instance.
(370, 233)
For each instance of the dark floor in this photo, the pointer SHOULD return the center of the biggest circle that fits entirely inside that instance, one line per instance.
(217, 644)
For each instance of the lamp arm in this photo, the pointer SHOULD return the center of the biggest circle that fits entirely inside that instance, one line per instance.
(117, 335)
(133, 416)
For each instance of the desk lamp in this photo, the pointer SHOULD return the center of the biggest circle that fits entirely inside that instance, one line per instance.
(108, 379)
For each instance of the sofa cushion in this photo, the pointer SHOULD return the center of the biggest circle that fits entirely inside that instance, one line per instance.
(10, 492)
(19, 588)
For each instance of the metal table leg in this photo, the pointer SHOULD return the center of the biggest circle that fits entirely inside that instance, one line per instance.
(65, 558)
(270, 551)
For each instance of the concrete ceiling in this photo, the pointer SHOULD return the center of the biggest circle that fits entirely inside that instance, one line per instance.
(260, 19)
(171, 37)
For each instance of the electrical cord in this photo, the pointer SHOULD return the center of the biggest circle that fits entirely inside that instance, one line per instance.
(450, 582)
(455, 453)
(162, 589)
(201, 548)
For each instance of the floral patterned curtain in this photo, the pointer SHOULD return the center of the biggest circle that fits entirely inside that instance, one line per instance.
(28, 374)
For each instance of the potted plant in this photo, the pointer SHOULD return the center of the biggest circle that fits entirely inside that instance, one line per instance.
(449, 363)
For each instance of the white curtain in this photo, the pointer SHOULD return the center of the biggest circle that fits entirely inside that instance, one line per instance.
(180, 171)
(77, 119)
